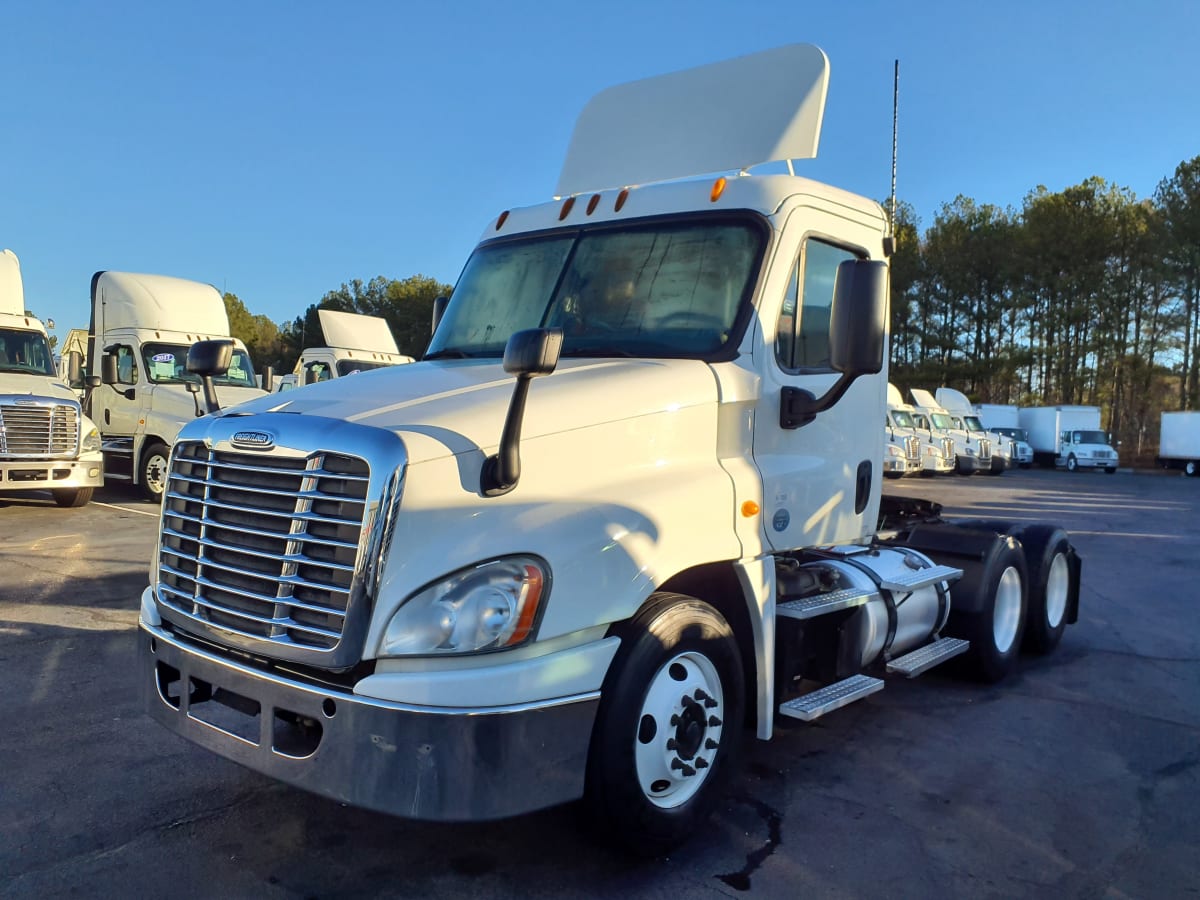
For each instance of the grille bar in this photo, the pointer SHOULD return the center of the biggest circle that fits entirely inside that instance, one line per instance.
(256, 510)
(276, 622)
(251, 595)
(294, 580)
(257, 532)
(269, 470)
(264, 554)
(38, 430)
(271, 492)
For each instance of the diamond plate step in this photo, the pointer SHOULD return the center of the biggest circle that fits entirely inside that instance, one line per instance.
(822, 604)
(920, 578)
(923, 658)
(827, 699)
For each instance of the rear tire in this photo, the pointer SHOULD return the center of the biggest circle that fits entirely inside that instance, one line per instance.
(1046, 553)
(998, 583)
(667, 732)
(73, 497)
(152, 472)
(1111, 470)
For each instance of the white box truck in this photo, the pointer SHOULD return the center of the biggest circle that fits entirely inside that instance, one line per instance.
(1179, 442)
(1068, 437)
(46, 443)
(141, 329)
(354, 343)
(627, 505)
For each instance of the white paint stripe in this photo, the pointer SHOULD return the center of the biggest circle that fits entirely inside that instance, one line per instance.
(140, 512)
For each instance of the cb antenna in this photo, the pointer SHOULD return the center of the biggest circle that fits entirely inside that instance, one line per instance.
(895, 118)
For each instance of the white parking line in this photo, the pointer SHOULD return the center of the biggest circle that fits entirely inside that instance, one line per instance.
(140, 512)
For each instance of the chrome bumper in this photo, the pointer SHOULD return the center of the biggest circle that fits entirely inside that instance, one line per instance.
(418, 762)
(51, 474)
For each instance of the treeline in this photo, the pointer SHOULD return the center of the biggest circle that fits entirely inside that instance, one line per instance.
(406, 304)
(1084, 296)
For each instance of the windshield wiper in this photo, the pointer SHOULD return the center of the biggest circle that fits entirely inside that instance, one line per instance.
(598, 352)
(448, 353)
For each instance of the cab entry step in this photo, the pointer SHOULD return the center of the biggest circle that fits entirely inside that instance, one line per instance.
(920, 578)
(815, 704)
(924, 658)
(821, 604)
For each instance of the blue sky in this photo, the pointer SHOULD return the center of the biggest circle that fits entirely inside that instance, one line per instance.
(277, 149)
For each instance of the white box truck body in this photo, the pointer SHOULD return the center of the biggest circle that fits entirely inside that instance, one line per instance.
(1068, 437)
(46, 443)
(354, 343)
(625, 507)
(1179, 442)
(146, 324)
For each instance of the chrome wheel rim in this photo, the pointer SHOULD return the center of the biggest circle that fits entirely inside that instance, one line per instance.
(679, 730)
(1058, 584)
(156, 474)
(1006, 615)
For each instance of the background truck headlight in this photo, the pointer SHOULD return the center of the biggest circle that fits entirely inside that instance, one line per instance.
(486, 607)
(91, 441)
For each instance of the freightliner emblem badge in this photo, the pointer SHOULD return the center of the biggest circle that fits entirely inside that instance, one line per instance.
(254, 440)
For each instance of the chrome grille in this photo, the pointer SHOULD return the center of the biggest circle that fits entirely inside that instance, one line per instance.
(38, 430)
(912, 446)
(985, 448)
(263, 546)
(948, 448)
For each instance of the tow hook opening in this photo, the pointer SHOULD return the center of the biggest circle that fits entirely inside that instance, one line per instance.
(295, 735)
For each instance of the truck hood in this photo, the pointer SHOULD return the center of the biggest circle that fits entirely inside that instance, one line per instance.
(35, 386)
(435, 405)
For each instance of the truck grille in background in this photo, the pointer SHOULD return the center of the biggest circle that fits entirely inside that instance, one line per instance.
(948, 448)
(912, 446)
(264, 546)
(985, 448)
(38, 431)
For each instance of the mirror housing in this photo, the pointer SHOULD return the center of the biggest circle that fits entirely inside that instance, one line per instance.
(528, 355)
(439, 310)
(209, 359)
(268, 378)
(310, 375)
(857, 326)
(108, 368)
(74, 368)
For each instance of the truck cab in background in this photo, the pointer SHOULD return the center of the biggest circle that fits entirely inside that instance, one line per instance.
(1004, 451)
(1069, 437)
(142, 327)
(354, 343)
(46, 443)
(926, 452)
(971, 453)
(1003, 419)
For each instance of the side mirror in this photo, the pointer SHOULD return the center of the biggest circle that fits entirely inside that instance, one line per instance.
(209, 359)
(439, 310)
(268, 379)
(857, 323)
(528, 354)
(74, 368)
(310, 375)
(108, 368)
(93, 381)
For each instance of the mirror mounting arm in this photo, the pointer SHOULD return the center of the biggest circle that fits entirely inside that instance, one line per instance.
(798, 407)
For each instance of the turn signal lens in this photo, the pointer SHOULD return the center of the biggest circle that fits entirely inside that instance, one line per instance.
(750, 509)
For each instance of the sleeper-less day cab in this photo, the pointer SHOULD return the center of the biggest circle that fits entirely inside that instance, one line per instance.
(626, 506)
(354, 343)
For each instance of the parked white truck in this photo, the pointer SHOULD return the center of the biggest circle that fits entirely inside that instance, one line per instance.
(1179, 442)
(1004, 419)
(1068, 436)
(354, 343)
(46, 443)
(926, 452)
(972, 453)
(627, 505)
(1004, 449)
(141, 329)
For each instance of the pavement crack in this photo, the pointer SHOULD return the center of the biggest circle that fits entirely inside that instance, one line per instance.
(740, 880)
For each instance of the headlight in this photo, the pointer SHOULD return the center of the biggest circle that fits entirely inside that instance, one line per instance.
(91, 441)
(895, 450)
(486, 607)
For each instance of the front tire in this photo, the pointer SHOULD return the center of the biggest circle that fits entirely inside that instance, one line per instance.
(73, 498)
(152, 473)
(668, 727)
(1190, 468)
(1072, 463)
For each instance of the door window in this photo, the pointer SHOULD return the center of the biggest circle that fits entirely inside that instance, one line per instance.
(802, 335)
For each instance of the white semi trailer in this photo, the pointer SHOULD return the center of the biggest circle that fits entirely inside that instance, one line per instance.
(1179, 442)
(627, 506)
(1068, 437)
(141, 329)
(46, 443)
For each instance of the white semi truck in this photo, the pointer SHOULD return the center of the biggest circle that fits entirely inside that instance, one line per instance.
(141, 329)
(627, 505)
(46, 443)
(1004, 419)
(354, 343)
(926, 451)
(1179, 442)
(1068, 437)
(1005, 450)
(972, 453)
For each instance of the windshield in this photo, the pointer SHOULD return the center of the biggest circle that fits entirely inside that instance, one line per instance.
(1014, 433)
(670, 289)
(167, 364)
(1090, 437)
(902, 419)
(354, 366)
(942, 421)
(26, 352)
(973, 423)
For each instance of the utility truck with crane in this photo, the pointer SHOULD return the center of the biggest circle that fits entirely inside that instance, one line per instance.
(626, 507)
(46, 442)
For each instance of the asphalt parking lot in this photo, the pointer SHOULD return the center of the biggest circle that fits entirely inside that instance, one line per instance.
(1078, 777)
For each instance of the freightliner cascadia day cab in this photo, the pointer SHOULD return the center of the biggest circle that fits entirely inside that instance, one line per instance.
(1004, 449)
(1179, 442)
(1004, 419)
(354, 343)
(971, 453)
(46, 443)
(934, 452)
(141, 329)
(1068, 437)
(626, 507)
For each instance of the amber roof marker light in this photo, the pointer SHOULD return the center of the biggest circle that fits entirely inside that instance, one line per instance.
(718, 189)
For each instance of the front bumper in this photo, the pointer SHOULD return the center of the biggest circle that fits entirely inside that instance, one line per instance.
(420, 762)
(972, 464)
(52, 474)
(937, 464)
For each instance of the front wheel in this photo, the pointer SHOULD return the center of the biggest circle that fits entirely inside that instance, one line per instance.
(1190, 468)
(73, 497)
(153, 471)
(1072, 463)
(1111, 470)
(668, 727)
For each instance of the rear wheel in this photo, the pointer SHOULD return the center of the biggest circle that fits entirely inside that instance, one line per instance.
(995, 587)
(153, 471)
(668, 727)
(1046, 554)
(73, 497)
(1190, 468)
